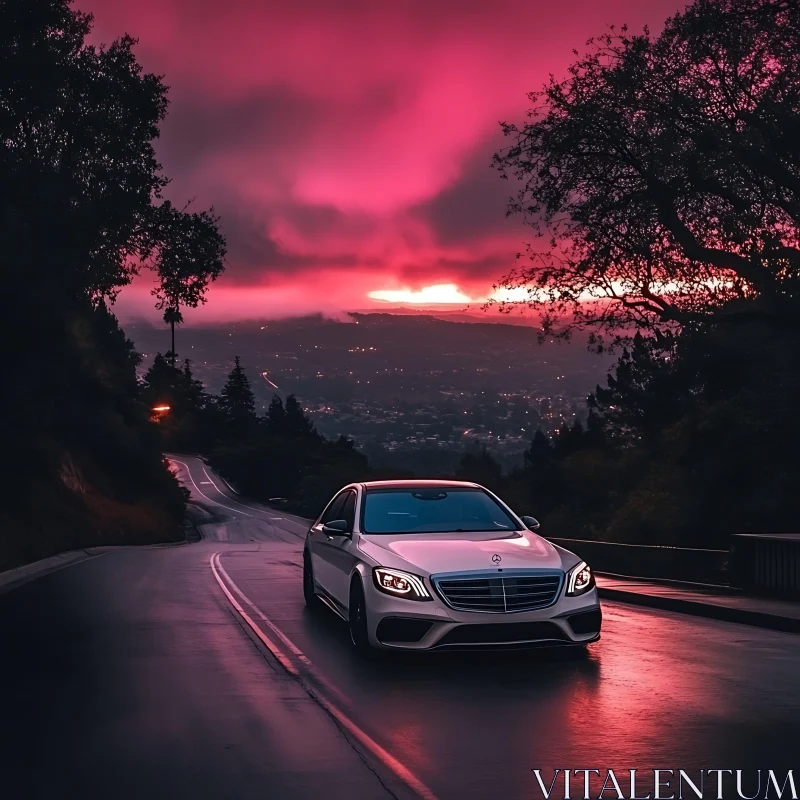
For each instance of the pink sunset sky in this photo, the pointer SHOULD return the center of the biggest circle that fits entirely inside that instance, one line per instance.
(347, 144)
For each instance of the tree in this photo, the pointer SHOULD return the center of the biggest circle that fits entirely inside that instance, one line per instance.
(649, 388)
(297, 423)
(82, 209)
(189, 256)
(237, 401)
(192, 390)
(276, 415)
(480, 467)
(662, 177)
(540, 452)
(81, 213)
(161, 384)
(570, 439)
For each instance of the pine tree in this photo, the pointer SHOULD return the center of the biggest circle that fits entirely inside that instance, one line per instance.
(276, 416)
(480, 467)
(297, 423)
(569, 439)
(647, 391)
(540, 451)
(193, 392)
(162, 383)
(237, 401)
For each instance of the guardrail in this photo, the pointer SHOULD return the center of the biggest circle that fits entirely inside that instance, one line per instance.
(652, 561)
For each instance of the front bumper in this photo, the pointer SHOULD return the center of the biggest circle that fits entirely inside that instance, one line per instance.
(394, 623)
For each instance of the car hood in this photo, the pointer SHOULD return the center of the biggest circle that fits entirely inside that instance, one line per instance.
(433, 553)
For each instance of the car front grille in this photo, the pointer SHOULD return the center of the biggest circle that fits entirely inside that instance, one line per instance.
(500, 593)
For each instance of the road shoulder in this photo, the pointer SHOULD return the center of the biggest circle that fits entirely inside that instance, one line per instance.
(720, 603)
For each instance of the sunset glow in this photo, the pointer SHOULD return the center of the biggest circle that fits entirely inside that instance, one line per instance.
(441, 293)
(346, 146)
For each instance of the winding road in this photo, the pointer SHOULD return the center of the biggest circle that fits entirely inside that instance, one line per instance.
(195, 671)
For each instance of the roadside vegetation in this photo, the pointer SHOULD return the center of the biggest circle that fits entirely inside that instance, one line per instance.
(693, 438)
(277, 456)
(82, 212)
(661, 181)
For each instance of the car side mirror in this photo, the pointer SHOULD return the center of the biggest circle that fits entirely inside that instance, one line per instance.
(336, 527)
(531, 523)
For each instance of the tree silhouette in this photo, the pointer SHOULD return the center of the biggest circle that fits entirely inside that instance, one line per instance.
(297, 423)
(81, 213)
(173, 317)
(480, 467)
(193, 392)
(276, 416)
(540, 452)
(189, 256)
(664, 173)
(237, 401)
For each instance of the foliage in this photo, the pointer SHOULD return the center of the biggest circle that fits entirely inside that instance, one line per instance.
(662, 177)
(81, 213)
(480, 467)
(662, 180)
(280, 454)
(237, 402)
(193, 415)
(690, 440)
(190, 255)
(82, 198)
(81, 464)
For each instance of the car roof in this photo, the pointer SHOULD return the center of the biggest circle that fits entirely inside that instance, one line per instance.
(419, 484)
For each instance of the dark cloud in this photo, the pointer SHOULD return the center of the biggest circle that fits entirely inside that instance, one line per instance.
(475, 205)
(353, 138)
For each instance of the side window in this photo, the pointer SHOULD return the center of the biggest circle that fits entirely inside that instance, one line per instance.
(348, 511)
(334, 510)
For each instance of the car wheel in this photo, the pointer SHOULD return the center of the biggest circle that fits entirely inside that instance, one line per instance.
(358, 618)
(312, 601)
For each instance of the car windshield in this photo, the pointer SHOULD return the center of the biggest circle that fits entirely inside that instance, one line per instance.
(434, 509)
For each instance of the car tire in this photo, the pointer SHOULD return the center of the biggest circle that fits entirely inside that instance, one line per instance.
(310, 596)
(358, 619)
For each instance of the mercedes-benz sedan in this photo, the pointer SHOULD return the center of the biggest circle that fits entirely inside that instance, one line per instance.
(433, 565)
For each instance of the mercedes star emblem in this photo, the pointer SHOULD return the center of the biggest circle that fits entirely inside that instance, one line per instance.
(496, 558)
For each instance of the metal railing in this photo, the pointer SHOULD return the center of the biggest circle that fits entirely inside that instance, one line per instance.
(652, 561)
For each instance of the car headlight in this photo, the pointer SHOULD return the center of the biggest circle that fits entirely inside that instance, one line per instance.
(579, 580)
(400, 584)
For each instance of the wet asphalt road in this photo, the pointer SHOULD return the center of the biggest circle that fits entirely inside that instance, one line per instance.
(130, 675)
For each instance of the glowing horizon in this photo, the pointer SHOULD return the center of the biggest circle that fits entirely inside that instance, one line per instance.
(439, 294)
(348, 154)
(449, 294)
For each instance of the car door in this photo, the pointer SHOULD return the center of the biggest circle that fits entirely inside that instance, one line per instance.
(319, 544)
(341, 551)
